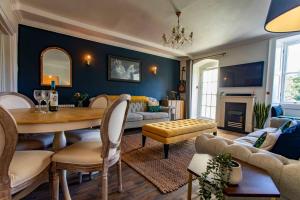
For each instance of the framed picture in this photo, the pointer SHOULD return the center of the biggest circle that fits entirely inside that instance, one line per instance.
(124, 69)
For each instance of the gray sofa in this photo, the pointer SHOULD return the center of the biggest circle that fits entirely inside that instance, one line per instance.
(138, 115)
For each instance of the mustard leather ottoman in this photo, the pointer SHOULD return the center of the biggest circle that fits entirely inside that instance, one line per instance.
(176, 131)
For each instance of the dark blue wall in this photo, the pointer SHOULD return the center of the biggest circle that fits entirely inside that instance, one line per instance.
(93, 79)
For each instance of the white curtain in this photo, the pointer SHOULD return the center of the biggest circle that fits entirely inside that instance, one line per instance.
(8, 62)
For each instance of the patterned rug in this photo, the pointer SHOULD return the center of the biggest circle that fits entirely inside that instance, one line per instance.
(166, 174)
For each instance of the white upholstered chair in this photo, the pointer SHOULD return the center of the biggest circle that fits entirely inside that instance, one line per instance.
(14, 100)
(91, 134)
(20, 171)
(96, 155)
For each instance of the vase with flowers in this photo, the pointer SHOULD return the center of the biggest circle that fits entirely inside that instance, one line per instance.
(79, 98)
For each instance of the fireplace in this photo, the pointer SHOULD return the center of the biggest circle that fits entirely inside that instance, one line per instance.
(235, 116)
(238, 111)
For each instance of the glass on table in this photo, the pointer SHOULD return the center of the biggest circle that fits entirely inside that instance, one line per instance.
(46, 98)
(38, 96)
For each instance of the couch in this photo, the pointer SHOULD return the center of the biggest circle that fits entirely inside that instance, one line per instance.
(138, 114)
(285, 172)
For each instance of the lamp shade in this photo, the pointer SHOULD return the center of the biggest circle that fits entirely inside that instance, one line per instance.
(283, 16)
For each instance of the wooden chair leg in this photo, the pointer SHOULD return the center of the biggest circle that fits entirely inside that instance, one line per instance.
(54, 178)
(120, 175)
(5, 192)
(104, 180)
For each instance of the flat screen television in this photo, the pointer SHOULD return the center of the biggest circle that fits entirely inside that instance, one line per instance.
(243, 75)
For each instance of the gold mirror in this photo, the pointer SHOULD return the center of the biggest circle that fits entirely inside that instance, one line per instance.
(56, 65)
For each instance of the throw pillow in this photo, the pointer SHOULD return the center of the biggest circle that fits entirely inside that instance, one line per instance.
(270, 140)
(276, 111)
(259, 142)
(153, 108)
(288, 143)
(286, 125)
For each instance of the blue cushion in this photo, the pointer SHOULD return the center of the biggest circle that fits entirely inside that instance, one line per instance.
(288, 143)
(276, 111)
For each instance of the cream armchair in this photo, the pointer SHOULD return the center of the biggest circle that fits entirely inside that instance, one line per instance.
(13, 100)
(96, 155)
(20, 171)
(101, 101)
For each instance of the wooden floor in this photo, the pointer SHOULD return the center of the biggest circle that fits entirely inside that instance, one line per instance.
(136, 187)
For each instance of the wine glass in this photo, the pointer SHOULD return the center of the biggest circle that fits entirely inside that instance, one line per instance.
(37, 94)
(46, 95)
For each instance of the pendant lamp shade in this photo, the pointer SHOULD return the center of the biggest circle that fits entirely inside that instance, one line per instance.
(283, 16)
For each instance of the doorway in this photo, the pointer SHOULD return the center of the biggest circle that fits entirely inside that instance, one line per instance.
(204, 88)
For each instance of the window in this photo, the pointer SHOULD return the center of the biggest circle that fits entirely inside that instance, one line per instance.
(209, 84)
(286, 87)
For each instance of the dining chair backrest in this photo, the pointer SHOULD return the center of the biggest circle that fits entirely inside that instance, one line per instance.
(100, 101)
(14, 100)
(112, 127)
(8, 141)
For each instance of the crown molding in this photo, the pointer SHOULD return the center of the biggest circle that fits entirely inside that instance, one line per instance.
(44, 20)
(8, 18)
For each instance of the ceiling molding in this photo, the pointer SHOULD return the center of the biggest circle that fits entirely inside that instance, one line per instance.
(44, 20)
(234, 45)
(8, 18)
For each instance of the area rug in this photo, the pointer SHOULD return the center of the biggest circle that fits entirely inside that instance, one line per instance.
(166, 174)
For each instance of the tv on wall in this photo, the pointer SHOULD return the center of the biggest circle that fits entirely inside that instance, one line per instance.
(243, 75)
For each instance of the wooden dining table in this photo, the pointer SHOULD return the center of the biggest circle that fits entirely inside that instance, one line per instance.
(29, 121)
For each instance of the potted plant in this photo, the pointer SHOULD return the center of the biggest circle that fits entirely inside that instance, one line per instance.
(221, 171)
(261, 113)
(80, 98)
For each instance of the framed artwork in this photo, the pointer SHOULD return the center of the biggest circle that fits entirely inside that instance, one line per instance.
(124, 69)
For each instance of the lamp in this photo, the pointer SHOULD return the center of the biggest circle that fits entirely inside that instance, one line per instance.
(88, 59)
(283, 16)
(153, 69)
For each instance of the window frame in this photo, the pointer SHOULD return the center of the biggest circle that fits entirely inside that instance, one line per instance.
(284, 73)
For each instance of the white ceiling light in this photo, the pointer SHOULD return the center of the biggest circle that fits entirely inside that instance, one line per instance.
(177, 38)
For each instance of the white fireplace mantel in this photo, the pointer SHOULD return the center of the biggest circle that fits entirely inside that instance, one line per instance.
(249, 100)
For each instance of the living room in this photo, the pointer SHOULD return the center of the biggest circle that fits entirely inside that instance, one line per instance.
(195, 99)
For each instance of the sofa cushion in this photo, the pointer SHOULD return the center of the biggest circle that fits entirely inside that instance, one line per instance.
(133, 117)
(288, 143)
(153, 115)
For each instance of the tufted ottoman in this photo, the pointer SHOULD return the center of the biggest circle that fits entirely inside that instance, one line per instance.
(176, 131)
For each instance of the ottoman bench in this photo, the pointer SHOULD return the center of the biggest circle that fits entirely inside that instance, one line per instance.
(176, 131)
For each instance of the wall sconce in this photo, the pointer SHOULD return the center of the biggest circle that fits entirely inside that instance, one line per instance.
(88, 59)
(153, 69)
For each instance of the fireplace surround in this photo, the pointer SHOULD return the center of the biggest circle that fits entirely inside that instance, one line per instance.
(235, 113)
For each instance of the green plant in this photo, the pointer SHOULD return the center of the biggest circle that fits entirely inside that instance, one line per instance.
(261, 112)
(216, 177)
(80, 98)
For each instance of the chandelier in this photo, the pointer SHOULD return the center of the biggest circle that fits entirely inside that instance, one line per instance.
(177, 38)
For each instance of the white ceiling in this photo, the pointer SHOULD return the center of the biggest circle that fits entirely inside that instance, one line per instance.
(139, 24)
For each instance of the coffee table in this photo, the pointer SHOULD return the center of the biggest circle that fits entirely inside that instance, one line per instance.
(256, 182)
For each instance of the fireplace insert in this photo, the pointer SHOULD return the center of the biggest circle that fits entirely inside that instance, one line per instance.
(235, 117)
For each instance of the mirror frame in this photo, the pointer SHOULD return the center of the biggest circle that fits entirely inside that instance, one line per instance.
(42, 66)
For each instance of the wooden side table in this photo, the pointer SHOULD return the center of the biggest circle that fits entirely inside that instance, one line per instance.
(256, 182)
(178, 106)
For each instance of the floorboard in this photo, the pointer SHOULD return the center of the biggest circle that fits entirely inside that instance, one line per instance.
(136, 187)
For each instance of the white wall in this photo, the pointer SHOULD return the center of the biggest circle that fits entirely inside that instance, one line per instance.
(246, 54)
(256, 51)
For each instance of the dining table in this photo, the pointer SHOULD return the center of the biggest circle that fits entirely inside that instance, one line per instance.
(30, 121)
